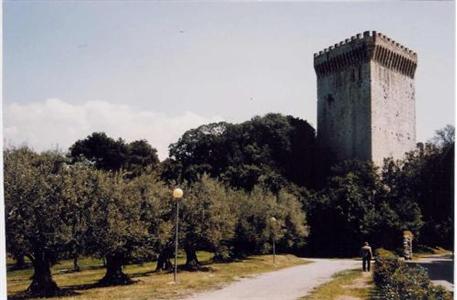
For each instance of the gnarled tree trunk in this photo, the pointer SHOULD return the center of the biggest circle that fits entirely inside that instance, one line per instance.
(164, 261)
(76, 267)
(42, 283)
(114, 274)
(192, 262)
(20, 262)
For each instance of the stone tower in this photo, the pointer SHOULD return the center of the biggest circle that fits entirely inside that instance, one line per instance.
(365, 98)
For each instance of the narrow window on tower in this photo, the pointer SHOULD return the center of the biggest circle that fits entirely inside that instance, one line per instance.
(330, 99)
(352, 75)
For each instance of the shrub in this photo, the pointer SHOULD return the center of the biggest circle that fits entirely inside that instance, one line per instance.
(439, 293)
(408, 283)
(397, 280)
(381, 252)
(385, 265)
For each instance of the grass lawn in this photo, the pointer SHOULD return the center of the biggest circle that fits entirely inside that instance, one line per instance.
(350, 284)
(148, 284)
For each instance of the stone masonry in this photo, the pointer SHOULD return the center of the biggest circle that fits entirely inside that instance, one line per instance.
(366, 99)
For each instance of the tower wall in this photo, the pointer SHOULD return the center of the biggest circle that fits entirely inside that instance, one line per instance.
(343, 126)
(393, 114)
(393, 99)
(366, 107)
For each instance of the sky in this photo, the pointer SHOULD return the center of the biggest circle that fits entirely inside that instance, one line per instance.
(152, 70)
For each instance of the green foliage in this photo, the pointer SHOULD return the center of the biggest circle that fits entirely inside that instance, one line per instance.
(397, 280)
(358, 206)
(156, 213)
(117, 226)
(109, 201)
(207, 219)
(104, 152)
(127, 220)
(255, 230)
(37, 223)
(426, 177)
(383, 253)
(271, 150)
(141, 157)
(79, 187)
(386, 263)
(112, 155)
(338, 212)
(408, 283)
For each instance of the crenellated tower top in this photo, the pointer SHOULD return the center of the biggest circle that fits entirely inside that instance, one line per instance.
(362, 48)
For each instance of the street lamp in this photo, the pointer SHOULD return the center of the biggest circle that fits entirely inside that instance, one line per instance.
(273, 223)
(177, 195)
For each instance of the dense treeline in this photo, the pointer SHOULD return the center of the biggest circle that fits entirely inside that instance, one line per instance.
(346, 203)
(111, 199)
(273, 150)
(56, 209)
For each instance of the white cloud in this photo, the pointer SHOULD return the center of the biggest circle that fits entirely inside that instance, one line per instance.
(46, 125)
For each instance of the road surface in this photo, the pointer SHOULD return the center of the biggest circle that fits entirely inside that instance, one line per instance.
(290, 283)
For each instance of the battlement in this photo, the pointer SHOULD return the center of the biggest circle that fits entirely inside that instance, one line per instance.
(361, 48)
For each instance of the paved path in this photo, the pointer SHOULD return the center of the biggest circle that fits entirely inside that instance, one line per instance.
(290, 283)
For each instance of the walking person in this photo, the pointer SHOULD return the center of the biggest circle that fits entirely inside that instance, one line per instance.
(366, 254)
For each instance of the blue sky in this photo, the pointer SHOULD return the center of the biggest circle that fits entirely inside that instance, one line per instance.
(155, 69)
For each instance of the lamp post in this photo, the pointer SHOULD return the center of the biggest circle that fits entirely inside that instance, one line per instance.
(177, 195)
(273, 223)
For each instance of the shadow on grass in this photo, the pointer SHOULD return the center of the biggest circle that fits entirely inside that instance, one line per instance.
(74, 290)
(14, 267)
(67, 291)
(60, 293)
(84, 268)
(181, 268)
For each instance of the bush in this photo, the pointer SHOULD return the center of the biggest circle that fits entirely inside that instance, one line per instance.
(381, 252)
(408, 283)
(223, 254)
(386, 263)
(439, 293)
(396, 280)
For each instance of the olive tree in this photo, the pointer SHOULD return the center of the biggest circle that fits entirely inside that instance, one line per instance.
(156, 211)
(117, 228)
(254, 229)
(80, 184)
(207, 219)
(36, 216)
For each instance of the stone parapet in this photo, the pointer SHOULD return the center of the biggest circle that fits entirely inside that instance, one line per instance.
(362, 48)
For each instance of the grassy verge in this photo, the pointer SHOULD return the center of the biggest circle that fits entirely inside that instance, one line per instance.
(350, 284)
(151, 285)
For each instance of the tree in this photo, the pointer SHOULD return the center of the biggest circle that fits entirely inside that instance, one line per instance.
(112, 155)
(117, 227)
(104, 152)
(207, 220)
(444, 137)
(269, 150)
(79, 187)
(426, 176)
(358, 206)
(291, 217)
(140, 156)
(254, 231)
(156, 211)
(36, 217)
